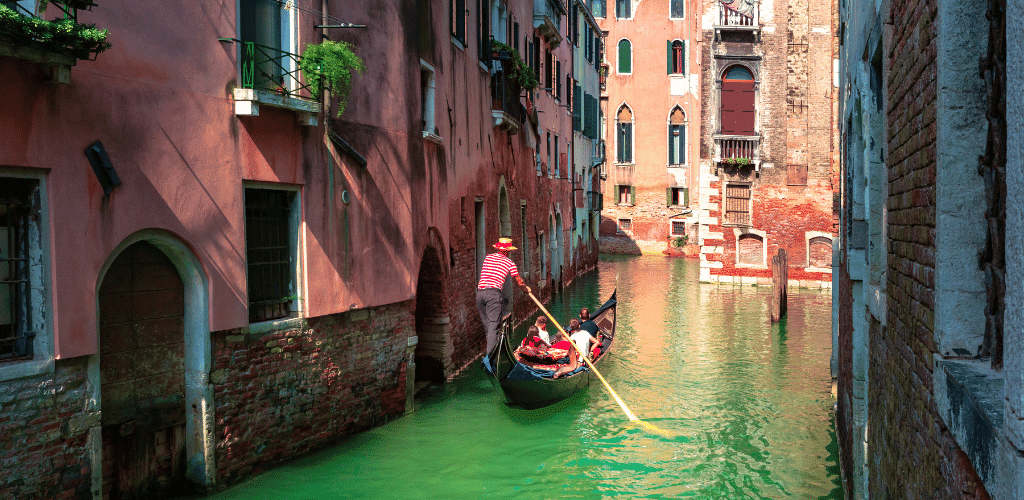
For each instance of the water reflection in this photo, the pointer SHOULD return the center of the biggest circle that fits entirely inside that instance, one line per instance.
(746, 404)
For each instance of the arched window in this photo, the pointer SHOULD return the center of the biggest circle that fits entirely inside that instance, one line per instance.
(737, 112)
(750, 250)
(677, 137)
(819, 250)
(625, 57)
(676, 61)
(624, 135)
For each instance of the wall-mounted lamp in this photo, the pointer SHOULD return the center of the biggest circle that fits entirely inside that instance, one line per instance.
(101, 167)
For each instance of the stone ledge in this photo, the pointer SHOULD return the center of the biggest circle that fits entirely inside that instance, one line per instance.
(969, 399)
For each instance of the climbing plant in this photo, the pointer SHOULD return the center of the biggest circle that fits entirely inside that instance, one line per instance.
(331, 63)
(519, 73)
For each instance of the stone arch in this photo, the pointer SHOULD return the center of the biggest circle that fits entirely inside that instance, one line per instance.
(199, 453)
(504, 217)
(819, 250)
(432, 359)
(751, 248)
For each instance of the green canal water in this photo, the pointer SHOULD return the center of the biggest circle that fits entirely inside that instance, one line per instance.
(746, 407)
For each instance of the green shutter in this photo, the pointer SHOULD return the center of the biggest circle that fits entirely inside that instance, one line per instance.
(624, 57)
(686, 197)
(668, 197)
(632, 195)
(669, 57)
(615, 194)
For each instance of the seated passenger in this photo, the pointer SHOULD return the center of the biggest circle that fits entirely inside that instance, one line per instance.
(533, 338)
(542, 325)
(582, 339)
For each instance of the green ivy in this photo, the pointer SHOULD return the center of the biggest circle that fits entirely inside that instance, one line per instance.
(520, 73)
(680, 241)
(332, 63)
(737, 161)
(57, 35)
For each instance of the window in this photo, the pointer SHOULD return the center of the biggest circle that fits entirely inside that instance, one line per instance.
(676, 60)
(737, 204)
(597, 8)
(624, 136)
(266, 24)
(623, 9)
(547, 166)
(625, 225)
(675, 10)
(677, 138)
(678, 228)
(21, 274)
(558, 81)
(750, 250)
(677, 197)
(459, 21)
(271, 229)
(577, 108)
(556, 167)
(626, 194)
(737, 112)
(483, 25)
(819, 252)
(427, 89)
(625, 57)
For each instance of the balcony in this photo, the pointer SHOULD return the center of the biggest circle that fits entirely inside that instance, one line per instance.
(742, 17)
(595, 201)
(547, 16)
(507, 112)
(738, 150)
(270, 77)
(56, 44)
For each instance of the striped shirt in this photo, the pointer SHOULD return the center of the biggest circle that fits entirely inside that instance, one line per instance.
(496, 267)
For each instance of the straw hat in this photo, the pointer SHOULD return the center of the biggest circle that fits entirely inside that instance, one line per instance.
(504, 244)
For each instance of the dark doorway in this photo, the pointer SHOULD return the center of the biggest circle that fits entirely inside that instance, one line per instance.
(433, 350)
(142, 350)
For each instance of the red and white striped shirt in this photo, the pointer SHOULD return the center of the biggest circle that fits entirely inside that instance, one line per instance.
(496, 267)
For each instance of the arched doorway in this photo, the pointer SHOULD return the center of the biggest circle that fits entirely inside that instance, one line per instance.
(434, 349)
(142, 375)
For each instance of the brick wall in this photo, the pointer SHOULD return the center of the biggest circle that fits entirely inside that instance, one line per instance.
(44, 429)
(843, 296)
(907, 438)
(287, 392)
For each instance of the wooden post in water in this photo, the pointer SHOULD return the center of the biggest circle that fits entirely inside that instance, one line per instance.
(780, 278)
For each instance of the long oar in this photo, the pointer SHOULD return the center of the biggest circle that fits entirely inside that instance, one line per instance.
(625, 409)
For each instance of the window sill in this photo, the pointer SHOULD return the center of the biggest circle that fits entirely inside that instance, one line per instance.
(21, 369)
(458, 43)
(257, 330)
(678, 165)
(818, 270)
(248, 101)
(751, 266)
(433, 137)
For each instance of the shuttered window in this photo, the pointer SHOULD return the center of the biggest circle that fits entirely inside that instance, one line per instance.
(675, 54)
(675, 9)
(737, 204)
(677, 138)
(625, 57)
(459, 20)
(737, 112)
(623, 9)
(624, 136)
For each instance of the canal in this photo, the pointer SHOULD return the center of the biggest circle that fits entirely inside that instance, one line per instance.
(745, 406)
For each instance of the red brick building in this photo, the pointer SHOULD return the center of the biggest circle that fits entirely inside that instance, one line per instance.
(207, 268)
(767, 140)
(928, 293)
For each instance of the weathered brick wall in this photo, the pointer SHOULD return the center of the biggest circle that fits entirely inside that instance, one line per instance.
(907, 438)
(843, 297)
(651, 228)
(284, 393)
(44, 429)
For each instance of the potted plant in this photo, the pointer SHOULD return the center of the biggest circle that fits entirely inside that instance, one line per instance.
(737, 161)
(331, 63)
(61, 36)
(518, 71)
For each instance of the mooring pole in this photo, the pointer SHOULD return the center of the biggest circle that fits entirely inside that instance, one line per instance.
(780, 278)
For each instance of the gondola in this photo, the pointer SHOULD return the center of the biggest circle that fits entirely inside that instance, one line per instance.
(529, 384)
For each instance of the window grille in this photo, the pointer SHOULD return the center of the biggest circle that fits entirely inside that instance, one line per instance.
(678, 228)
(737, 204)
(269, 254)
(625, 225)
(16, 335)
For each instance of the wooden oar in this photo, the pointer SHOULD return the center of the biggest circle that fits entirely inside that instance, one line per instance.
(625, 409)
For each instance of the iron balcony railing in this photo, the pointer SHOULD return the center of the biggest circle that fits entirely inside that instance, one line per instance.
(740, 17)
(505, 95)
(736, 148)
(271, 69)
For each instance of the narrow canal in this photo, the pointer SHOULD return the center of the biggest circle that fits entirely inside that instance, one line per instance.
(746, 408)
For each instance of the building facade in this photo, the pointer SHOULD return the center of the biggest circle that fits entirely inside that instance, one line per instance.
(928, 286)
(767, 143)
(213, 264)
(651, 103)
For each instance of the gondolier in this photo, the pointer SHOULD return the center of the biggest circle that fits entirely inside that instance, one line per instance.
(497, 266)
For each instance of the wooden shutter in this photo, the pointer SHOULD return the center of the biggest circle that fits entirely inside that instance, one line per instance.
(737, 107)
(632, 195)
(668, 197)
(668, 57)
(625, 57)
